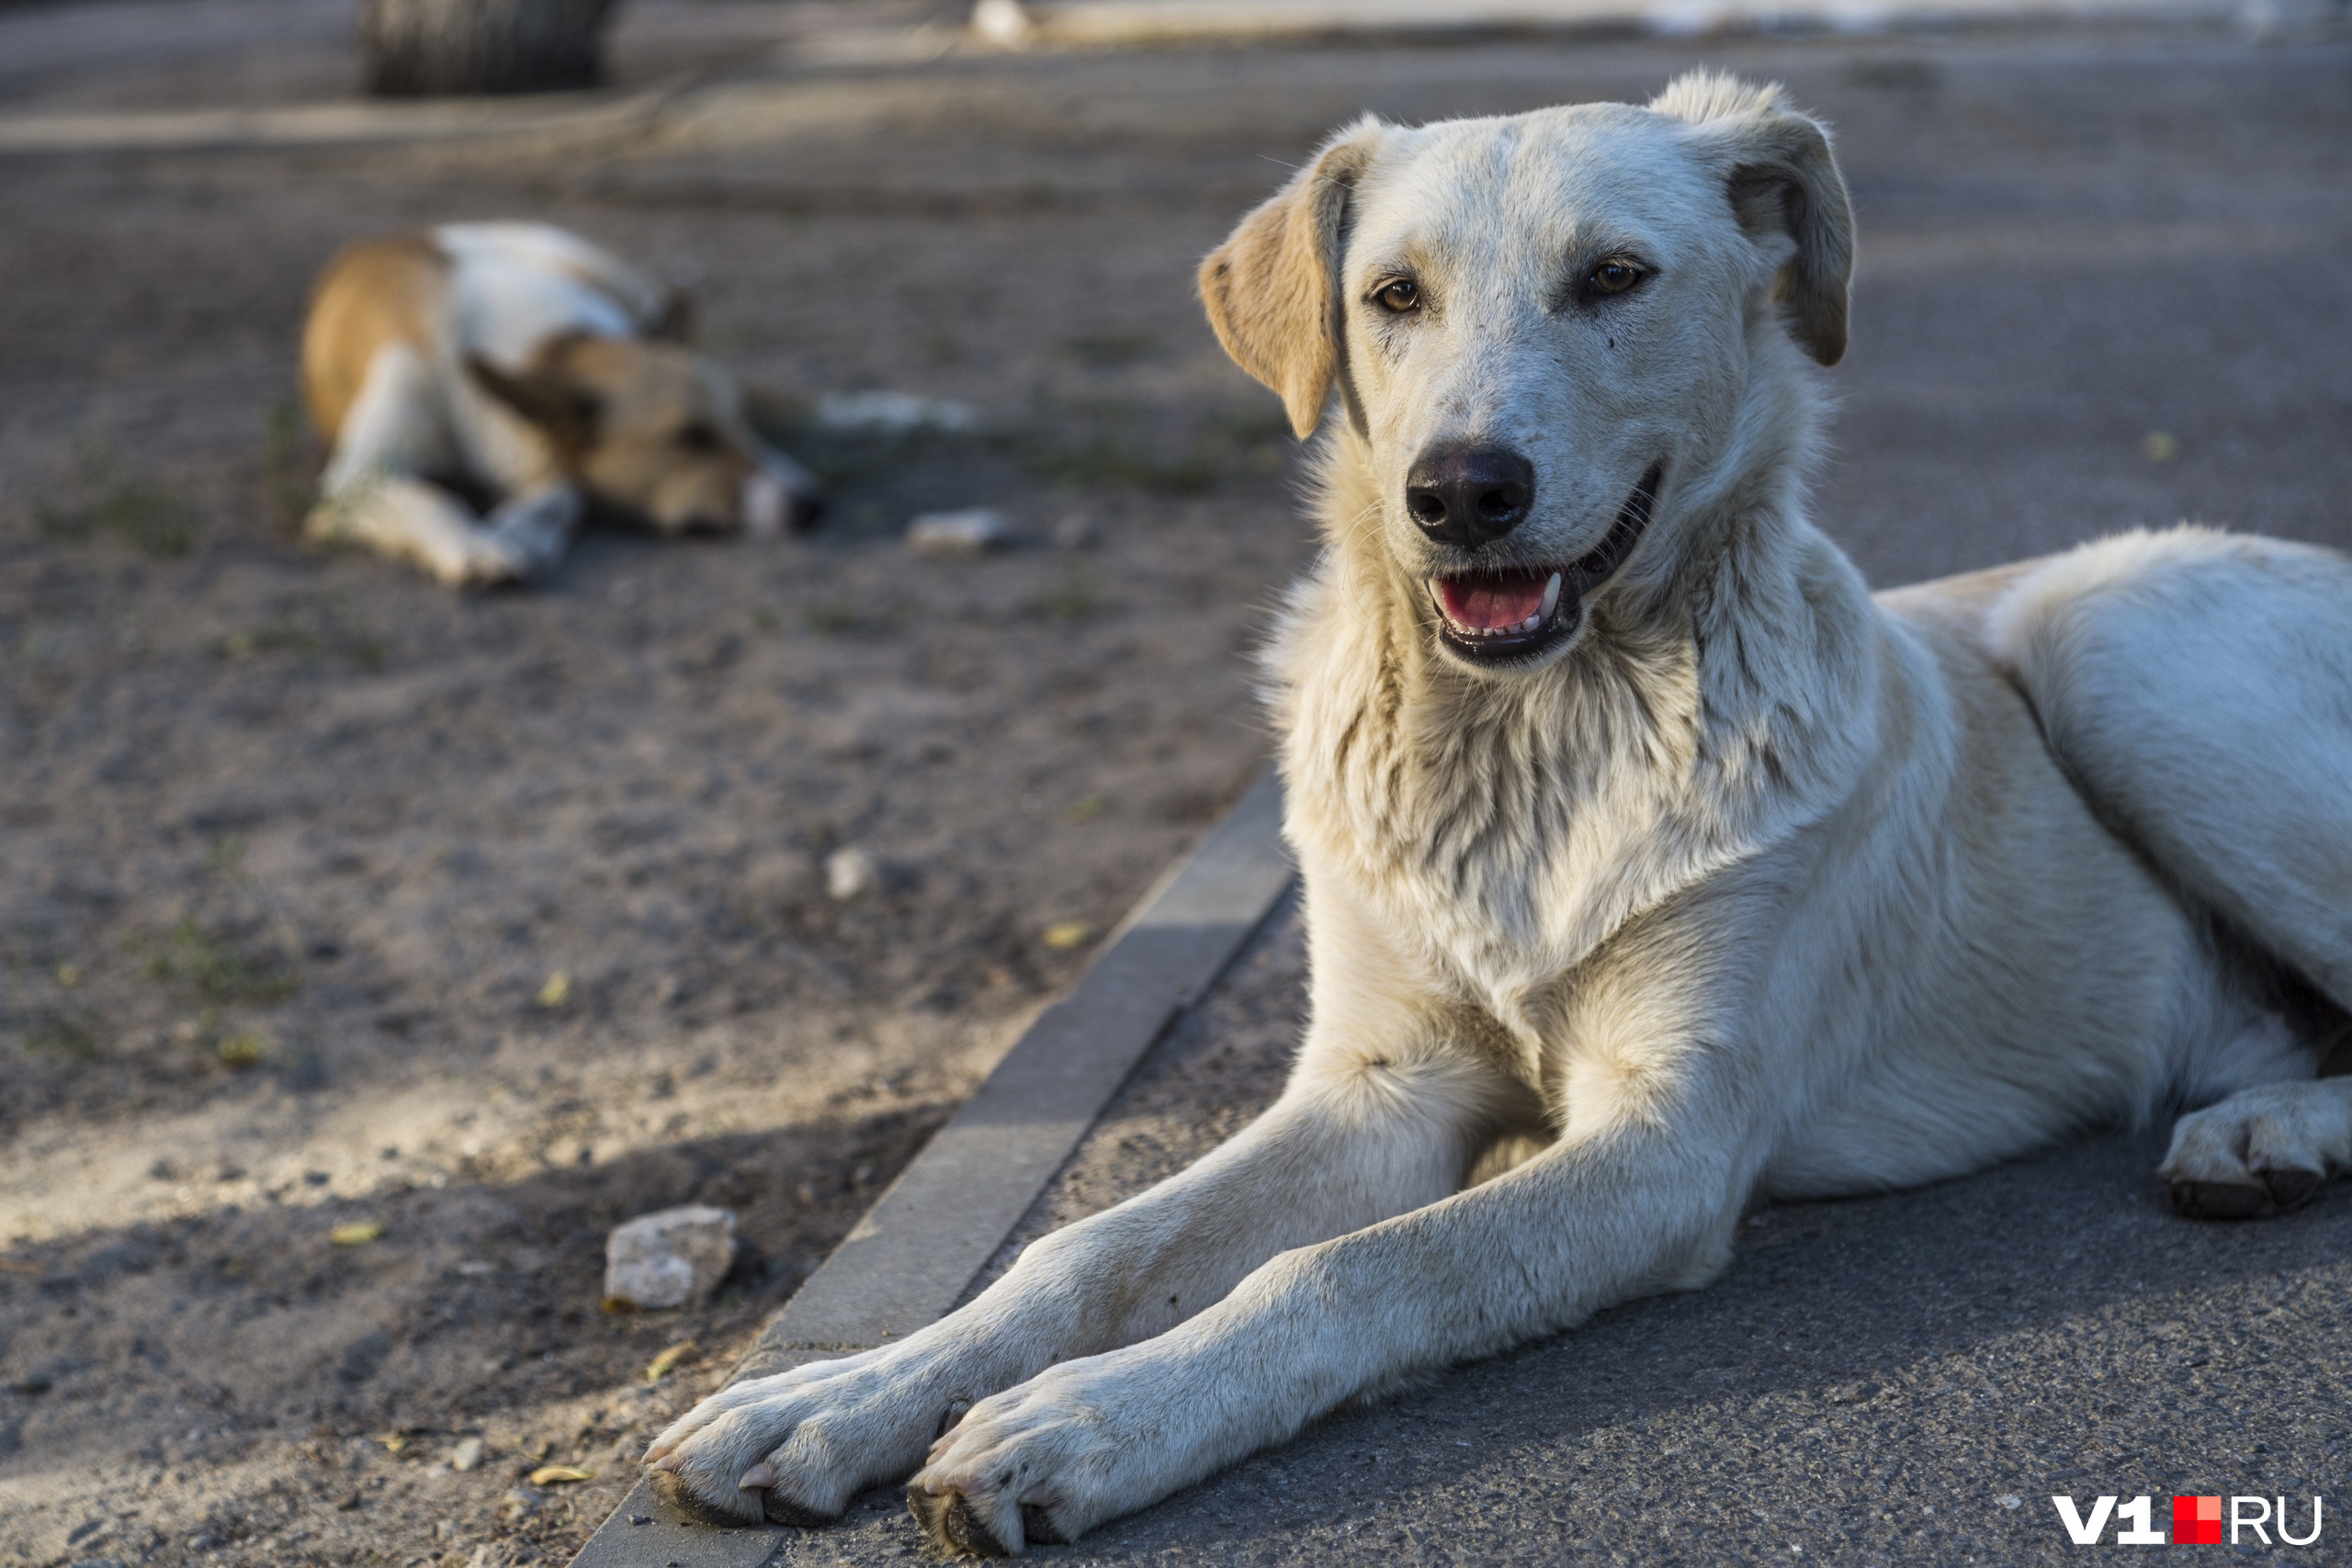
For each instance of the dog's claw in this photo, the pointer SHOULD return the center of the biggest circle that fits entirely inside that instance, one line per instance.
(758, 1476)
(782, 1510)
(2218, 1200)
(2289, 1188)
(952, 1525)
(679, 1495)
(1037, 1524)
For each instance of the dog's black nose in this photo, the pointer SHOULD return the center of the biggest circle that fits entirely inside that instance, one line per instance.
(1468, 495)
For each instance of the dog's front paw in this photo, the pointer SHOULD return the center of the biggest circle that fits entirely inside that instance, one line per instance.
(1044, 1462)
(2262, 1150)
(796, 1448)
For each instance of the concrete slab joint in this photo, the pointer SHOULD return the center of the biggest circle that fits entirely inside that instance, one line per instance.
(909, 1260)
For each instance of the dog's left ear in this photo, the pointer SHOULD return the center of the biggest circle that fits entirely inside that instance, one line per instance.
(1272, 291)
(1783, 179)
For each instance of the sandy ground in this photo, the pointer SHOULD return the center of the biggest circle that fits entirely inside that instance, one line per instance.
(297, 846)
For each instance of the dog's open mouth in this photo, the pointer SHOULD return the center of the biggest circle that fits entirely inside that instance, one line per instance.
(1502, 616)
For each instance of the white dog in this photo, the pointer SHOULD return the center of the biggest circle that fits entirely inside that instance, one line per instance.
(520, 362)
(1652, 867)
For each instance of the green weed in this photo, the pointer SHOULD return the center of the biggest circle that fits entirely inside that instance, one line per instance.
(1074, 598)
(218, 969)
(64, 1036)
(150, 518)
(289, 466)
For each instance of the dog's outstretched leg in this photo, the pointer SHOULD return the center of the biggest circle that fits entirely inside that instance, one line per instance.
(2262, 1150)
(1578, 1227)
(1322, 1162)
(410, 520)
(535, 529)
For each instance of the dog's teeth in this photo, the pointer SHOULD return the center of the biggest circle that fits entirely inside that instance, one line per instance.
(1530, 624)
(1551, 599)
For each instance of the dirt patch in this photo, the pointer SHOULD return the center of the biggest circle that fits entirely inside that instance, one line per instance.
(334, 901)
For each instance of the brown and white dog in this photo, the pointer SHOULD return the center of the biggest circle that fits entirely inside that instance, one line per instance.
(521, 362)
(1654, 867)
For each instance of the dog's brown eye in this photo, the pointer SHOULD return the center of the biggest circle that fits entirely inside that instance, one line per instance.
(699, 437)
(1400, 294)
(1613, 276)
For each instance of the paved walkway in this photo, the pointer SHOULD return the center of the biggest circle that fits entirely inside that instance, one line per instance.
(1901, 1380)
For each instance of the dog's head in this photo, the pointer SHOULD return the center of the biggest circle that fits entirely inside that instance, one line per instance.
(655, 429)
(1545, 333)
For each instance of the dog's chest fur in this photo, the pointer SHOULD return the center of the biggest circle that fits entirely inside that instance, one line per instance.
(1499, 832)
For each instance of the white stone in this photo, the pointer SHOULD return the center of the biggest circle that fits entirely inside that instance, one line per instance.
(466, 1455)
(970, 533)
(675, 1257)
(1004, 23)
(851, 873)
(892, 413)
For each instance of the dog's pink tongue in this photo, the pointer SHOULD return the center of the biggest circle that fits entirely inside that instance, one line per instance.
(1491, 603)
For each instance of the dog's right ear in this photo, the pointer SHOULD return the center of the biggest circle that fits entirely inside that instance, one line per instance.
(1273, 289)
(567, 413)
(1783, 179)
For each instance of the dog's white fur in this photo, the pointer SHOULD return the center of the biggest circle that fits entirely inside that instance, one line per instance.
(1754, 887)
(524, 361)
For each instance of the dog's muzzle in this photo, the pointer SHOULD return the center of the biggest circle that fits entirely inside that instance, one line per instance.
(1512, 615)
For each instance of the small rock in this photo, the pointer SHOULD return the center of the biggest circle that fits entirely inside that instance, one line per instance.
(1077, 532)
(893, 414)
(851, 873)
(778, 882)
(971, 533)
(467, 1454)
(520, 1503)
(675, 1257)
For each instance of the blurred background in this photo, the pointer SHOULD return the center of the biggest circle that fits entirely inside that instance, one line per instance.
(367, 952)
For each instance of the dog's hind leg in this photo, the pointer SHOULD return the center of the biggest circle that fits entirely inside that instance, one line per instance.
(2197, 688)
(2262, 1150)
(370, 494)
(410, 520)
